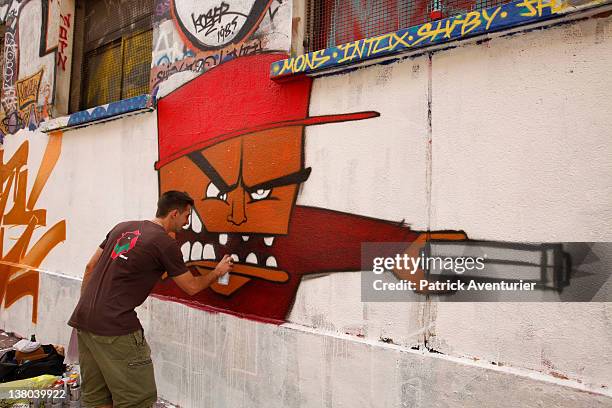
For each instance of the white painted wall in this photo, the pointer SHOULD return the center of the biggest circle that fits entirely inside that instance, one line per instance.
(522, 124)
(104, 175)
(392, 185)
(520, 151)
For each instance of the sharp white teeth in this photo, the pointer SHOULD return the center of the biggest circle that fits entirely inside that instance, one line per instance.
(269, 240)
(223, 239)
(251, 258)
(186, 227)
(196, 251)
(196, 222)
(235, 257)
(186, 249)
(245, 238)
(271, 262)
(208, 252)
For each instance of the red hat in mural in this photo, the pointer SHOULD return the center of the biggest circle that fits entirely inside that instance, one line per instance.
(234, 99)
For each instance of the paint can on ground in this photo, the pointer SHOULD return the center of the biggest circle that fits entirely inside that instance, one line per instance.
(75, 391)
(57, 399)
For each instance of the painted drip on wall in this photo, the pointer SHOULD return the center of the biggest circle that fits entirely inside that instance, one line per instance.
(196, 36)
(37, 58)
(20, 217)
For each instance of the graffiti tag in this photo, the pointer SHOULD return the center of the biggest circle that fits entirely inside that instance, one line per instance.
(457, 27)
(9, 97)
(63, 41)
(204, 62)
(213, 24)
(212, 21)
(19, 266)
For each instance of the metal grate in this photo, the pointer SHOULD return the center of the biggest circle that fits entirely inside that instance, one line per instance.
(137, 51)
(108, 20)
(117, 51)
(335, 22)
(102, 75)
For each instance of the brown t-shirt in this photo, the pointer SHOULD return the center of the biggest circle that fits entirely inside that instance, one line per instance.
(135, 255)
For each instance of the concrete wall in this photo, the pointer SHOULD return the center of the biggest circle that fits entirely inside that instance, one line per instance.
(518, 150)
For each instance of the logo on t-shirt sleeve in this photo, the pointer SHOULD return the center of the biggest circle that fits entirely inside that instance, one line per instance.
(125, 243)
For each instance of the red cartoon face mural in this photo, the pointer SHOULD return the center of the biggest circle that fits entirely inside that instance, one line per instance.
(240, 189)
(238, 151)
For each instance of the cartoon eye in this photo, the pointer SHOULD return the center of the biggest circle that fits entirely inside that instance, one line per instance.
(213, 191)
(260, 194)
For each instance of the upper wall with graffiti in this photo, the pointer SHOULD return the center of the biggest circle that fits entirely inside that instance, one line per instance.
(36, 62)
(196, 36)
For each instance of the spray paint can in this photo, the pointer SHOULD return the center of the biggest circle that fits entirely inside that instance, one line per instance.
(224, 279)
(75, 390)
(57, 400)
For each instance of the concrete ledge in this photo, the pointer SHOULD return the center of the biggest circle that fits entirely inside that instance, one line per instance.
(99, 114)
(217, 360)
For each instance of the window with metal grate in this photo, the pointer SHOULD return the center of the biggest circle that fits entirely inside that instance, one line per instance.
(335, 22)
(117, 50)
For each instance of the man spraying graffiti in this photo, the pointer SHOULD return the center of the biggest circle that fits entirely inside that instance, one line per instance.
(115, 358)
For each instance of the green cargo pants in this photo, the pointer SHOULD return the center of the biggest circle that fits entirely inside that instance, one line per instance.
(116, 370)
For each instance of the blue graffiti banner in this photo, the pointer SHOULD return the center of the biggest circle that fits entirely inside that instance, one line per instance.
(458, 27)
(110, 110)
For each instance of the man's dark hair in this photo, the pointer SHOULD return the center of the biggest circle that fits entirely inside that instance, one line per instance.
(172, 200)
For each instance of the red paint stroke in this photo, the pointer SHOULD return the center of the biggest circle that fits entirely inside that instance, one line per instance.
(319, 241)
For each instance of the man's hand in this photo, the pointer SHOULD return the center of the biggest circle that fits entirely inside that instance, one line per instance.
(224, 266)
(194, 284)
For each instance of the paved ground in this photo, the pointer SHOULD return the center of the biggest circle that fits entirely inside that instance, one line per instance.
(8, 339)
